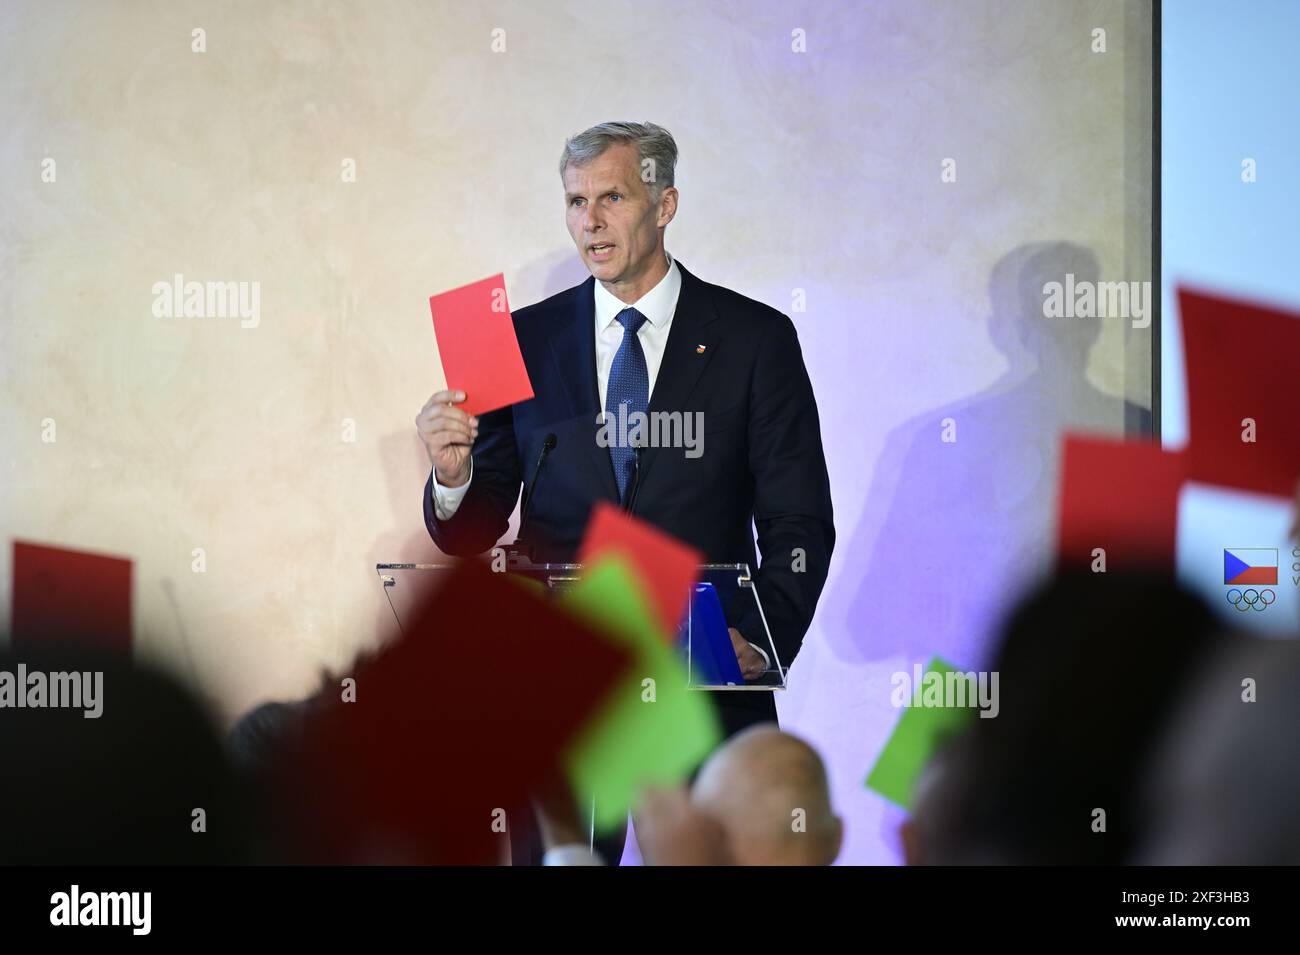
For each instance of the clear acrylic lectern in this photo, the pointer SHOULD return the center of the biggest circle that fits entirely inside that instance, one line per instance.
(722, 596)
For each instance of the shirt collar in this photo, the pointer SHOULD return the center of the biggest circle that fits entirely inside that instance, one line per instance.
(657, 305)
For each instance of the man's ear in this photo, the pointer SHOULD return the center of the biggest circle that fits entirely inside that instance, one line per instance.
(667, 206)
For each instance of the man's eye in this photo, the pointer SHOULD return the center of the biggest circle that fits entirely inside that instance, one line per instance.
(574, 202)
(615, 195)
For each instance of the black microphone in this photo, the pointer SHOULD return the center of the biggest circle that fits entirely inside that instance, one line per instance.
(635, 484)
(548, 446)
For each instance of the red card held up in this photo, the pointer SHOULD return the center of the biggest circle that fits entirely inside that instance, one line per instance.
(1122, 497)
(665, 566)
(64, 597)
(476, 339)
(1243, 392)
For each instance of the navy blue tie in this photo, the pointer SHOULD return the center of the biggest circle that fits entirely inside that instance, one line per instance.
(629, 386)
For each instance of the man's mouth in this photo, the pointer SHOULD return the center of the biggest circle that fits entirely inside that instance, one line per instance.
(600, 247)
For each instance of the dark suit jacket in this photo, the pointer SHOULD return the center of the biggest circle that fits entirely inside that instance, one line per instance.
(762, 463)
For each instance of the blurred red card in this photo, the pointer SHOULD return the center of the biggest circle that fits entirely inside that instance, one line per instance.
(665, 566)
(476, 339)
(1243, 381)
(1122, 497)
(69, 597)
(453, 725)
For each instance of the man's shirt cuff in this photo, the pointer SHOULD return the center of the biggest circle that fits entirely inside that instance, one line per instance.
(447, 499)
(572, 855)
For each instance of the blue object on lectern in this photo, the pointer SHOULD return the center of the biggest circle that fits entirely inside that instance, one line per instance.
(713, 658)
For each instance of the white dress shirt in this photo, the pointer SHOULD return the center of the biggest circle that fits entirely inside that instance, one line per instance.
(572, 855)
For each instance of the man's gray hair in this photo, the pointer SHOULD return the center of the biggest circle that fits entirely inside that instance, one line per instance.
(655, 149)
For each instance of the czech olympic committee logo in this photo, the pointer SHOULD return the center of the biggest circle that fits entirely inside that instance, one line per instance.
(1250, 565)
(1251, 599)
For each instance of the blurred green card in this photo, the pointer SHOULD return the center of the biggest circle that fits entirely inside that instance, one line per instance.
(651, 729)
(920, 731)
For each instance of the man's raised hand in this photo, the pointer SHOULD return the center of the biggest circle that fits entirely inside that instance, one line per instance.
(448, 434)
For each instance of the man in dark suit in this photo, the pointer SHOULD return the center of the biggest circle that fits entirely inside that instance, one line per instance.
(645, 336)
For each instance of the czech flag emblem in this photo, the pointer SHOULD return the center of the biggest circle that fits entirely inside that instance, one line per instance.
(1249, 565)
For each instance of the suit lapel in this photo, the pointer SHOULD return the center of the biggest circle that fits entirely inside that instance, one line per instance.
(573, 349)
(692, 343)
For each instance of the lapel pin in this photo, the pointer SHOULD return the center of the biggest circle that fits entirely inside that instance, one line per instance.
(699, 349)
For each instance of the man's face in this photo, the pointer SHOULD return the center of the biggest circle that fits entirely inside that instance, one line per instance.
(614, 220)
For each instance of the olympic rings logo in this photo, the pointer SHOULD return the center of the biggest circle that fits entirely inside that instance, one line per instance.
(1251, 599)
